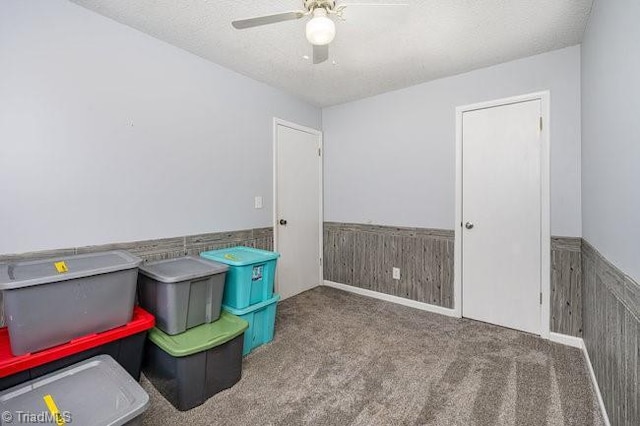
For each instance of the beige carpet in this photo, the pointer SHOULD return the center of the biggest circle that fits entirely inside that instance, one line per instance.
(343, 359)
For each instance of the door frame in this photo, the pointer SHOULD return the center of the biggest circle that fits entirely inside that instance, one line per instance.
(280, 122)
(545, 213)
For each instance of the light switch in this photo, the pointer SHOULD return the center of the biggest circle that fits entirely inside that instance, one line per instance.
(258, 202)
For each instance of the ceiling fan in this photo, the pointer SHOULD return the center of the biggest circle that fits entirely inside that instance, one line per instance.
(320, 29)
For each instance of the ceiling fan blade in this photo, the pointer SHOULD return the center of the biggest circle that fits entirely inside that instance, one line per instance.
(320, 53)
(267, 19)
(372, 4)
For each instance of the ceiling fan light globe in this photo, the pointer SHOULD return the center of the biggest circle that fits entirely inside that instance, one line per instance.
(320, 30)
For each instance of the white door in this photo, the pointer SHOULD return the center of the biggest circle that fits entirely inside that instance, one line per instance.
(501, 215)
(298, 171)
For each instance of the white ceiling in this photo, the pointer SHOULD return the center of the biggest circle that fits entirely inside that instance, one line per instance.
(376, 49)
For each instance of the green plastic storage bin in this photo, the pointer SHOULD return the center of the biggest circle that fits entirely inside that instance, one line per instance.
(261, 318)
(250, 276)
(189, 368)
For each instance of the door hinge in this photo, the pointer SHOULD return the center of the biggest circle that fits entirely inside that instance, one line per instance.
(540, 123)
(541, 298)
(319, 152)
(321, 261)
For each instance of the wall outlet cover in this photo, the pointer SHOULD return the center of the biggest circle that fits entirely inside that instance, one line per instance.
(258, 202)
(396, 273)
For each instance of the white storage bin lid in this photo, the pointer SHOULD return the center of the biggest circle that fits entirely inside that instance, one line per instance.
(95, 392)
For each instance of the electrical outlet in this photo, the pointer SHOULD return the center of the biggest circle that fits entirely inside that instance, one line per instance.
(258, 202)
(396, 273)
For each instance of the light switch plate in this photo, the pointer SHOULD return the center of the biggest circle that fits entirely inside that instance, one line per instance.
(258, 202)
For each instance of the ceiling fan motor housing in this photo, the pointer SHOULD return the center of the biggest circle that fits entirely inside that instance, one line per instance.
(311, 5)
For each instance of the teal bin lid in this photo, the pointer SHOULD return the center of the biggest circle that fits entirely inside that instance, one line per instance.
(200, 338)
(240, 256)
(253, 307)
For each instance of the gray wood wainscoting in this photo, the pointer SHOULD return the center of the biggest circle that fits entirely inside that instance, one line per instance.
(165, 248)
(363, 256)
(566, 285)
(611, 316)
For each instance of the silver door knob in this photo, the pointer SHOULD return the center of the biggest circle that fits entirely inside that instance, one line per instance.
(468, 225)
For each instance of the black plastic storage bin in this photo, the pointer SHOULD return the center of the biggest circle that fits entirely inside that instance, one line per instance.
(189, 368)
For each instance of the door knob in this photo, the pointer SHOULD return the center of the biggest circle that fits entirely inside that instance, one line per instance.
(468, 225)
(283, 222)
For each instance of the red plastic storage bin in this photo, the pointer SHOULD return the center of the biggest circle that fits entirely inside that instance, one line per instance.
(125, 344)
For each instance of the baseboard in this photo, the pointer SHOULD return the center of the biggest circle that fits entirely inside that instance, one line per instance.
(594, 381)
(394, 299)
(566, 340)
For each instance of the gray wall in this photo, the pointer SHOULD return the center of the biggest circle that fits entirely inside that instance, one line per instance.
(611, 204)
(390, 159)
(107, 134)
(611, 133)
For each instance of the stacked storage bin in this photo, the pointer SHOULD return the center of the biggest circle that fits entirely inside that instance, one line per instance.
(195, 350)
(64, 310)
(60, 313)
(248, 291)
(125, 344)
(95, 392)
(190, 367)
(53, 301)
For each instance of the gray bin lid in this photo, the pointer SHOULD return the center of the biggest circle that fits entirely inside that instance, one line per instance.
(182, 269)
(95, 392)
(35, 272)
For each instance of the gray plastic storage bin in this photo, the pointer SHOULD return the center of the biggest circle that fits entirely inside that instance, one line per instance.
(182, 293)
(95, 392)
(50, 302)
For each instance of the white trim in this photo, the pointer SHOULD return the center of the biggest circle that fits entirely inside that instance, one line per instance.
(566, 340)
(280, 122)
(457, 244)
(545, 222)
(545, 218)
(594, 382)
(321, 224)
(393, 299)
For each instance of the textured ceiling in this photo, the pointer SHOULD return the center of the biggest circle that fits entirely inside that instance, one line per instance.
(376, 49)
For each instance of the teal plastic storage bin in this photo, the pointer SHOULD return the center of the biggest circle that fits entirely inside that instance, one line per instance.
(250, 276)
(261, 318)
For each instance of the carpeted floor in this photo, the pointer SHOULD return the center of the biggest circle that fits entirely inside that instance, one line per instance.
(342, 359)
